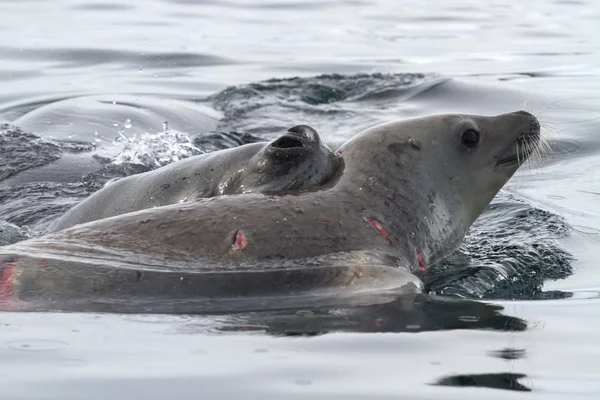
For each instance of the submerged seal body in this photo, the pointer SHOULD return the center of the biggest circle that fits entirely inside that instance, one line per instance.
(296, 160)
(405, 198)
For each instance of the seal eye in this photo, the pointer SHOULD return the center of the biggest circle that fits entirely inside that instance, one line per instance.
(470, 138)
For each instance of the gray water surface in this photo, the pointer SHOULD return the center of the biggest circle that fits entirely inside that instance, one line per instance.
(339, 66)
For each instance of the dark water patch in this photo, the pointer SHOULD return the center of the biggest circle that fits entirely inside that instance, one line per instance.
(506, 381)
(273, 105)
(509, 354)
(421, 313)
(509, 252)
(10, 233)
(20, 151)
(33, 204)
(321, 89)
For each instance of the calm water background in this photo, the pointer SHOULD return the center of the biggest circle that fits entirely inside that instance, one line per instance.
(542, 56)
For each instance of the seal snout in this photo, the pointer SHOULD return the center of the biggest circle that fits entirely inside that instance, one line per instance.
(305, 132)
(528, 137)
(530, 122)
(296, 138)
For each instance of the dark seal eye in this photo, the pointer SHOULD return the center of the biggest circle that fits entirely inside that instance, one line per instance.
(470, 138)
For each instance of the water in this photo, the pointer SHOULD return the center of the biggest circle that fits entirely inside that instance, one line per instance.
(339, 67)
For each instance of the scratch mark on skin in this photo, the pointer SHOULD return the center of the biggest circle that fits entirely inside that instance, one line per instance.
(322, 221)
(375, 224)
(422, 266)
(239, 242)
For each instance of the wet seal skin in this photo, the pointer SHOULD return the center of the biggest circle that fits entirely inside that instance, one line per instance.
(296, 160)
(404, 199)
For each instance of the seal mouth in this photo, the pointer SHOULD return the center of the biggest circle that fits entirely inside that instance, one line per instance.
(519, 151)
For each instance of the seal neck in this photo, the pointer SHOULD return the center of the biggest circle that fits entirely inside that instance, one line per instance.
(416, 214)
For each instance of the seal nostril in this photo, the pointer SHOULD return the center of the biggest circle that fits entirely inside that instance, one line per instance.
(287, 142)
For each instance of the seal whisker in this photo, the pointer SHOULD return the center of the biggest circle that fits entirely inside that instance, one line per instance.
(292, 183)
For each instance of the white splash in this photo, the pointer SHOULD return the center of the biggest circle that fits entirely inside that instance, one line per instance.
(155, 149)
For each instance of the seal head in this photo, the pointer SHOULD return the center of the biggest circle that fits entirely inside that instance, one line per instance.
(298, 159)
(442, 171)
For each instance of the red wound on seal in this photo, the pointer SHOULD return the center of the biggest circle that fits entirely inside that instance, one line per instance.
(375, 224)
(7, 286)
(421, 262)
(239, 242)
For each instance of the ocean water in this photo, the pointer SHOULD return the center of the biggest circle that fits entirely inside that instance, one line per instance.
(90, 91)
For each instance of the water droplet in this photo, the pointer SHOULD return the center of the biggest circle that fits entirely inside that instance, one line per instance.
(413, 327)
(127, 123)
(35, 345)
(468, 318)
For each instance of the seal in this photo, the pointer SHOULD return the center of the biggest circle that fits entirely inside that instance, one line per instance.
(404, 198)
(296, 160)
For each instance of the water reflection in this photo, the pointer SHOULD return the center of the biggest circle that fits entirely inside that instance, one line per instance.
(408, 313)
(508, 381)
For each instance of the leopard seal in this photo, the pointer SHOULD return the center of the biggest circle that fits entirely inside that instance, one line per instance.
(295, 160)
(406, 195)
